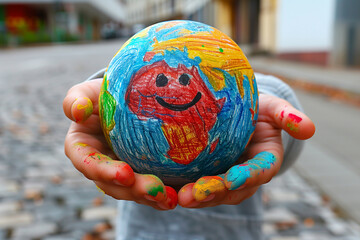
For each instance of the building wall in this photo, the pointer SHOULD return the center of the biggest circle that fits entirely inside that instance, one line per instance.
(298, 30)
(346, 49)
(151, 11)
(305, 26)
(223, 17)
(267, 25)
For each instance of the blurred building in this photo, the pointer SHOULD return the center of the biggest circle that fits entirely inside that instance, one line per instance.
(147, 12)
(325, 32)
(36, 21)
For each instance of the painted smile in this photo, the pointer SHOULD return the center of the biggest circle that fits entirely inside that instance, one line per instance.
(178, 107)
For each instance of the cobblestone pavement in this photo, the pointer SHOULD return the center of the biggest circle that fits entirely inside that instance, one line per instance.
(43, 197)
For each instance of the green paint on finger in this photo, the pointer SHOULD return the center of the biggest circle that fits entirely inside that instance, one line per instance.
(155, 190)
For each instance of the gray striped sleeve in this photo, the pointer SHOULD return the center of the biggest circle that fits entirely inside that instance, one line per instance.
(98, 74)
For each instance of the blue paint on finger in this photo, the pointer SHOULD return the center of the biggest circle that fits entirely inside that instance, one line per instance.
(237, 175)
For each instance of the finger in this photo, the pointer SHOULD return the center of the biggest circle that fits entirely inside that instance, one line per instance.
(286, 117)
(99, 167)
(206, 192)
(150, 187)
(127, 194)
(147, 189)
(187, 200)
(207, 187)
(81, 100)
(186, 197)
(150, 190)
(171, 200)
(115, 191)
(254, 172)
(81, 109)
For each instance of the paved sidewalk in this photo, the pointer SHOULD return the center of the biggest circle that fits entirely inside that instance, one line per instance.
(295, 210)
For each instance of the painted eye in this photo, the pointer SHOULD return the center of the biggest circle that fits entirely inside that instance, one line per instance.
(184, 79)
(161, 80)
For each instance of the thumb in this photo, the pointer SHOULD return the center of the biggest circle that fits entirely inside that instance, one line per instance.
(254, 172)
(284, 116)
(81, 109)
(82, 100)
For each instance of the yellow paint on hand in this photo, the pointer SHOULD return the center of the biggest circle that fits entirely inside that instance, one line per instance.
(206, 186)
(88, 108)
(100, 190)
(216, 51)
(81, 144)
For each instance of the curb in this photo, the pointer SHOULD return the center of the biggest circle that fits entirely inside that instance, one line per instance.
(333, 93)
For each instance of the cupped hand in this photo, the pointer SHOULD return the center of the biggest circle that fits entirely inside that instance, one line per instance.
(261, 161)
(86, 147)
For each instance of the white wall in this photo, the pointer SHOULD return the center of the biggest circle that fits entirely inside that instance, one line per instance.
(305, 25)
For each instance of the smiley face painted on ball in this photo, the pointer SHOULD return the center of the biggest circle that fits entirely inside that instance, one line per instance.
(179, 98)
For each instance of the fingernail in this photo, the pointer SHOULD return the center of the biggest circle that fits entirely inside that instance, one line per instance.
(124, 175)
(208, 198)
(155, 189)
(172, 198)
(163, 206)
(150, 198)
(236, 177)
(118, 183)
(81, 110)
(293, 122)
(207, 186)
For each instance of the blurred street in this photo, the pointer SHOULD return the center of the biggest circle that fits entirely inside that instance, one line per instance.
(330, 97)
(42, 196)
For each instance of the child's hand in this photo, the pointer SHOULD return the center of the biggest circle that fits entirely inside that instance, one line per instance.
(86, 147)
(265, 152)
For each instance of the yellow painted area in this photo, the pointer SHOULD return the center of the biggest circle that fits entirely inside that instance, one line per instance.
(88, 107)
(204, 187)
(223, 16)
(216, 51)
(100, 190)
(185, 144)
(80, 106)
(81, 145)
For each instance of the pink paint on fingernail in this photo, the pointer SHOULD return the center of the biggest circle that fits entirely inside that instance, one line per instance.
(295, 118)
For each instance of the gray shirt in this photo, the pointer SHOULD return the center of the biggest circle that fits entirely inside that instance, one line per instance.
(243, 221)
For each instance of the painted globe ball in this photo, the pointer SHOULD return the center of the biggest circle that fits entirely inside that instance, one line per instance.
(179, 100)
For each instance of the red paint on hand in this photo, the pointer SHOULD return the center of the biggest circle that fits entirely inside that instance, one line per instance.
(124, 175)
(282, 115)
(171, 200)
